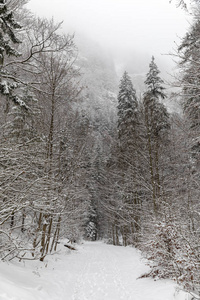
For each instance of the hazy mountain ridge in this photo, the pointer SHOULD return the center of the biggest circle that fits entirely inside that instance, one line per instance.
(99, 79)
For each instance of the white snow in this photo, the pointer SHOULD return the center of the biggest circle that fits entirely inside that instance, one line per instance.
(95, 271)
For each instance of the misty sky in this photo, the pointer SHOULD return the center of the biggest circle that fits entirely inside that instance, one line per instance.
(121, 26)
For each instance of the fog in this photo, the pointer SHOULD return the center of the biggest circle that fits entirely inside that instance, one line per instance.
(127, 29)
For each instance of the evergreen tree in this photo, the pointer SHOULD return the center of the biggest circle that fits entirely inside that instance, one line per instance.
(127, 111)
(156, 123)
(153, 82)
(7, 35)
(128, 160)
(190, 82)
(8, 48)
(189, 51)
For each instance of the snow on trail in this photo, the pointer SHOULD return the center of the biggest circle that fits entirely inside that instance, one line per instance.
(95, 272)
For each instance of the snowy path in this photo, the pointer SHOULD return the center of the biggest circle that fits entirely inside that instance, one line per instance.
(96, 272)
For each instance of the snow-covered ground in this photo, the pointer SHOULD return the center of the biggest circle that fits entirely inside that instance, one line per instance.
(95, 271)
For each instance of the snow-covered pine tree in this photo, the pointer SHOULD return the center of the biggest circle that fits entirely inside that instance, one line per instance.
(153, 81)
(8, 48)
(127, 111)
(128, 160)
(156, 123)
(190, 82)
(7, 35)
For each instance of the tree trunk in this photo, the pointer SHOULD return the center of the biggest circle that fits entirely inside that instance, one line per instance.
(44, 228)
(23, 220)
(37, 231)
(113, 234)
(48, 236)
(12, 219)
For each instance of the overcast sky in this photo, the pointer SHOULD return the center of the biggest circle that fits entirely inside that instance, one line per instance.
(149, 26)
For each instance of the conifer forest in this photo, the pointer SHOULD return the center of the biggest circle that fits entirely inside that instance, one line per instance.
(87, 155)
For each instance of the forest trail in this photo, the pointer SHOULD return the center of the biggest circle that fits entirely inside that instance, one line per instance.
(111, 273)
(95, 271)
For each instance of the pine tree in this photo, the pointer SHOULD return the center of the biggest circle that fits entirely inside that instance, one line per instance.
(156, 123)
(8, 44)
(154, 82)
(127, 111)
(7, 35)
(128, 160)
(190, 82)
